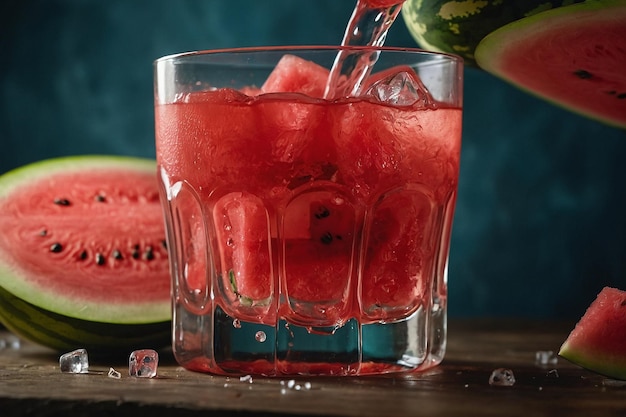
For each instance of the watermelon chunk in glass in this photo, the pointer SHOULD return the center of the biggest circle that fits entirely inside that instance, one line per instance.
(243, 240)
(293, 74)
(319, 230)
(398, 259)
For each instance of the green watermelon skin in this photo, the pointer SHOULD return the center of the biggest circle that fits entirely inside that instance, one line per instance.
(598, 342)
(457, 26)
(572, 56)
(62, 333)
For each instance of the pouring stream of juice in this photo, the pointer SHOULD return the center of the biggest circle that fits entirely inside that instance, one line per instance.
(368, 26)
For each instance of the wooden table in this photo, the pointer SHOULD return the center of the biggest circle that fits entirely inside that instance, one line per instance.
(32, 385)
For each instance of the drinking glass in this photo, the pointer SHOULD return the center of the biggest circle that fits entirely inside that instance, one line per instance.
(308, 233)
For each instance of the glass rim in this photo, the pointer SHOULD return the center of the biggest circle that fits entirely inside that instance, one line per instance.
(310, 48)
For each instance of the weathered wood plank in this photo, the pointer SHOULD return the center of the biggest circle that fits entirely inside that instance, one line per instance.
(32, 385)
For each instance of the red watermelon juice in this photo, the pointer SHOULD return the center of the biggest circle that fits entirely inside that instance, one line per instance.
(307, 235)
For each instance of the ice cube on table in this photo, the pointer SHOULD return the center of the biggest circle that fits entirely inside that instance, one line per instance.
(143, 363)
(10, 342)
(403, 88)
(502, 377)
(545, 357)
(74, 362)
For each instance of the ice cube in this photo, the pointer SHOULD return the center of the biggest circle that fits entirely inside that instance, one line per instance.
(143, 363)
(74, 362)
(502, 377)
(545, 357)
(402, 88)
(10, 342)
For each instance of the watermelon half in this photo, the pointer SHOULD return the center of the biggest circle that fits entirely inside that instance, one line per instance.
(83, 259)
(457, 26)
(573, 56)
(598, 342)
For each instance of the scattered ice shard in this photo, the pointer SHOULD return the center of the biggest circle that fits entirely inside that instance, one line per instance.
(74, 362)
(143, 363)
(402, 88)
(502, 377)
(10, 342)
(545, 357)
(114, 374)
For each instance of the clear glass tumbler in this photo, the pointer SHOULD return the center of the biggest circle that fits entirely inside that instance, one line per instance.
(308, 234)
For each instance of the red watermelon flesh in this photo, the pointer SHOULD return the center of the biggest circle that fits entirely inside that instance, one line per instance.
(243, 236)
(598, 342)
(398, 260)
(285, 154)
(573, 56)
(319, 228)
(83, 237)
(293, 74)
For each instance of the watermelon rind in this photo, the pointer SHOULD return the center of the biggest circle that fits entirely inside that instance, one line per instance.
(553, 76)
(598, 341)
(64, 333)
(457, 26)
(13, 281)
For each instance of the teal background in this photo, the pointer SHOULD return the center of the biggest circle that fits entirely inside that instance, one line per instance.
(539, 226)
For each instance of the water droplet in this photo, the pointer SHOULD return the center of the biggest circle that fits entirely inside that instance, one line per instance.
(230, 242)
(236, 324)
(260, 336)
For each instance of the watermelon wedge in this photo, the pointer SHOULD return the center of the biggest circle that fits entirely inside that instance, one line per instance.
(598, 342)
(83, 258)
(573, 56)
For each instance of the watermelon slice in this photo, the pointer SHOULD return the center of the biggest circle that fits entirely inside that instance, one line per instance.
(456, 27)
(598, 342)
(83, 261)
(573, 56)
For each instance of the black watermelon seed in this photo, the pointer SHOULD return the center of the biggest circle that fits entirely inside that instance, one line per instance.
(149, 254)
(326, 238)
(56, 247)
(322, 212)
(62, 201)
(164, 243)
(135, 254)
(117, 254)
(83, 255)
(621, 96)
(100, 259)
(43, 232)
(100, 198)
(583, 74)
